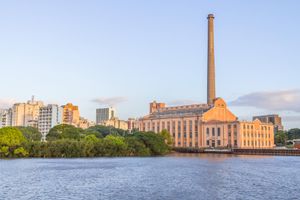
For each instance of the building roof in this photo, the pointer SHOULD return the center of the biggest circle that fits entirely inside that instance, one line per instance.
(179, 111)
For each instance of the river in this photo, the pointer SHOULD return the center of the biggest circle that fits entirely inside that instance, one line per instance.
(177, 176)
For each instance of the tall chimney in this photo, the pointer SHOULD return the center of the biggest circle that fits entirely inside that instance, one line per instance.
(211, 91)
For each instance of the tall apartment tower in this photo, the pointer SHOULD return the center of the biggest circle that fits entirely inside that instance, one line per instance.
(104, 114)
(26, 114)
(49, 116)
(71, 114)
(211, 90)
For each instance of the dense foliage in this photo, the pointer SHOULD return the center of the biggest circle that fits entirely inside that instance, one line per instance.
(281, 137)
(69, 141)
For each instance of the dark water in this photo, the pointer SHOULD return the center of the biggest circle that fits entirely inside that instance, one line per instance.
(174, 177)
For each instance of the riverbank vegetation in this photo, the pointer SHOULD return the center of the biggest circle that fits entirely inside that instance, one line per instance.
(68, 141)
(282, 137)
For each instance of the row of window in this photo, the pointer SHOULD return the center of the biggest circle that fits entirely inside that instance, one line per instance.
(190, 144)
(212, 132)
(257, 135)
(171, 126)
(214, 143)
(185, 135)
(251, 127)
(256, 143)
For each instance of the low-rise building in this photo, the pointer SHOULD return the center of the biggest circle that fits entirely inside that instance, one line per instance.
(116, 123)
(85, 123)
(203, 126)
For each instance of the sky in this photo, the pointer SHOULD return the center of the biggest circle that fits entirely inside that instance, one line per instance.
(127, 53)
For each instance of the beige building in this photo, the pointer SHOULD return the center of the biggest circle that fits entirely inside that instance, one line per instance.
(85, 123)
(26, 114)
(210, 125)
(116, 123)
(70, 114)
(204, 126)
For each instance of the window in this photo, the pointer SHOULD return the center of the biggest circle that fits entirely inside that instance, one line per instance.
(191, 135)
(219, 142)
(219, 132)
(207, 142)
(184, 126)
(184, 135)
(207, 132)
(235, 142)
(179, 135)
(213, 131)
(179, 127)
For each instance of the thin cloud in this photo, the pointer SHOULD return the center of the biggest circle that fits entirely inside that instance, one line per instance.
(109, 101)
(6, 103)
(182, 102)
(287, 100)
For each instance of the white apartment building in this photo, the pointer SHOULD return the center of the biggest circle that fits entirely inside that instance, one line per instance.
(49, 116)
(104, 114)
(5, 117)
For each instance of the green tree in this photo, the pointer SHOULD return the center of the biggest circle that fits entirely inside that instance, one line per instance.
(135, 147)
(10, 140)
(30, 133)
(155, 142)
(294, 133)
(281, 138)
(64, 131)
(114, 146)
(166, 135)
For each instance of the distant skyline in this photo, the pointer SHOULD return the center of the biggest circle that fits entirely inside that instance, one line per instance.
(128, 53)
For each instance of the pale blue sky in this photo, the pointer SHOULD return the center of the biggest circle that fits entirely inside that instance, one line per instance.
(136, 51)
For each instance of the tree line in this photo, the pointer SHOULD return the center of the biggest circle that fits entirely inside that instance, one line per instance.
(281, 137)
(67, 141)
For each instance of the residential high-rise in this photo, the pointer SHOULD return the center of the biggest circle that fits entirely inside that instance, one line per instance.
(26, 114)
(211, 90)
(70, 114)
(5, 117)
(104, 114)
(49, 116)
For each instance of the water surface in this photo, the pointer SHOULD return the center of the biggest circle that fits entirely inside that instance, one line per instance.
(178, 176)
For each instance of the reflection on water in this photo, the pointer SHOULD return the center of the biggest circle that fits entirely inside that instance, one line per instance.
(176, 176)
(217, 157)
